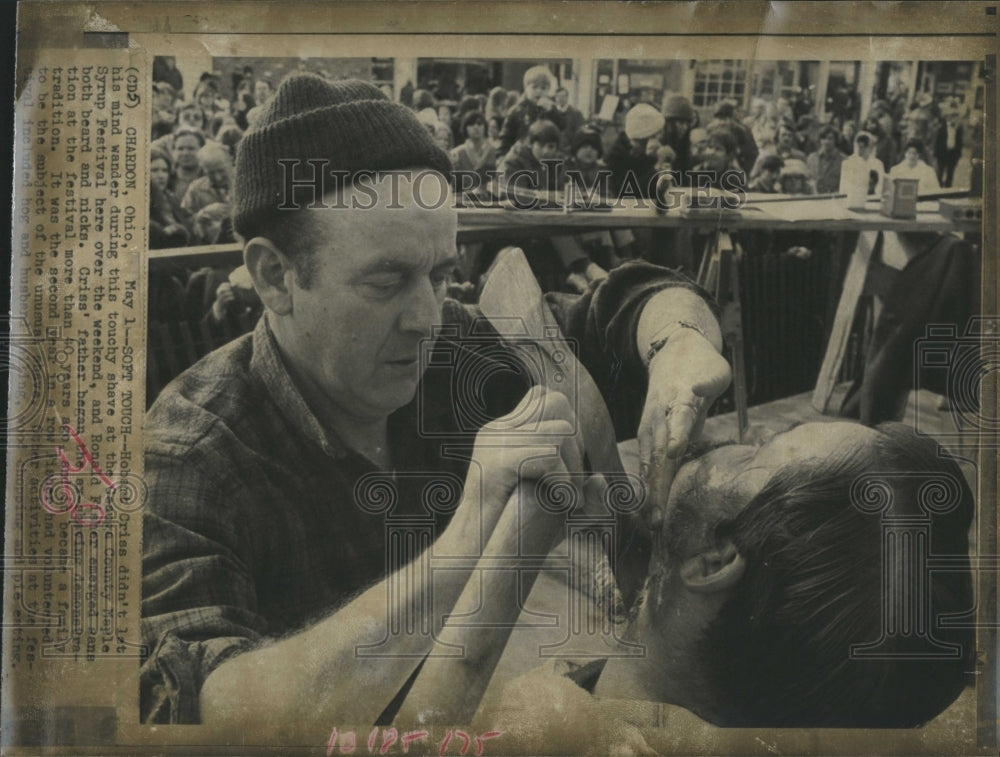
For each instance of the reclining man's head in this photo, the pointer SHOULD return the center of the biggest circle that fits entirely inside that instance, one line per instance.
(767, 580)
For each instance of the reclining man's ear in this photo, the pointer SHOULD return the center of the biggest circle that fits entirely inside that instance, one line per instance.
(270, 269)
(713, 569)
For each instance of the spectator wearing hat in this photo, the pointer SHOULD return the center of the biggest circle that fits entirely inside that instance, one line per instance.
(887, 148)
(795, 178)
(948, 146)
(266, 551)
(632, 157)
(534, 103)
(913, 167)
(824, 164)
(863, 167)
(186, 144)
(214, 184)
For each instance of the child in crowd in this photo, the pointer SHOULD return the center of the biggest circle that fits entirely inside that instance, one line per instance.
(768, 179)
(534, 104)
(213, 186)
(537, 165)
(913, 167)
(720, 162)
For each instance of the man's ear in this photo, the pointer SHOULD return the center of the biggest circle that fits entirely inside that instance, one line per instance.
(272, 272)
(713, 569)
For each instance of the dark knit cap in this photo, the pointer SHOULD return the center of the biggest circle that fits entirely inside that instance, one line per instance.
(349, 124)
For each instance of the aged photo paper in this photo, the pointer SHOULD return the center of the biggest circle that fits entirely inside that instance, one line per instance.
(133, 162)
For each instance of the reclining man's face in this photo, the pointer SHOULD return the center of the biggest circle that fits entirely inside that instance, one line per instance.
(725, 479)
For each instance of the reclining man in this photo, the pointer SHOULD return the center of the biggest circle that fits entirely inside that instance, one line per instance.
(267, 567)
(775, 599)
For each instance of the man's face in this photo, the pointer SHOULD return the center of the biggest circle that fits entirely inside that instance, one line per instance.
(186, 152)
(717, 485)
(218, 172)
(786, 138)
(828, 143)
(379, 282)
(912, 157)
(562, 98)
(261, 92)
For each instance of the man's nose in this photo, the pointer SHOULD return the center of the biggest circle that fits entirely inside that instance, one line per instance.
(422, 310)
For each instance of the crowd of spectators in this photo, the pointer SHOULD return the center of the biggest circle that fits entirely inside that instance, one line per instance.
(778, 146)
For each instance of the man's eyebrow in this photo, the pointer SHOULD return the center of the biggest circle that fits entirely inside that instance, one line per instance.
(405, 265)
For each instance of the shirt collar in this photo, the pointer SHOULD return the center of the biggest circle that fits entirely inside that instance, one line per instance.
(268, 367)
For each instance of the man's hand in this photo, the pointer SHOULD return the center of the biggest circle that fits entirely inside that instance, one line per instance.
(538, 437)
(685, 377)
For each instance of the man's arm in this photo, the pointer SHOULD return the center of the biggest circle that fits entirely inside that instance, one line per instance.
(318, 673)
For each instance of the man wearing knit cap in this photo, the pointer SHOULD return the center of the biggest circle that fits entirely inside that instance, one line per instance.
(282, 467)
(632, 157)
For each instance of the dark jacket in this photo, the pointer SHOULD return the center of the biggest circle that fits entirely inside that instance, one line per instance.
(933, 289)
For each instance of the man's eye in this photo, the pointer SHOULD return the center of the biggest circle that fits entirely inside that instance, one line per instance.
(382, 286)
(439, 280)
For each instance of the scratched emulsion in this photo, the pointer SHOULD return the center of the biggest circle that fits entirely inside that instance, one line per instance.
(74, 486)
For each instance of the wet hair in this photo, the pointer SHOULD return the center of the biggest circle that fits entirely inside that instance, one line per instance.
(543, 131)
(782, 650)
